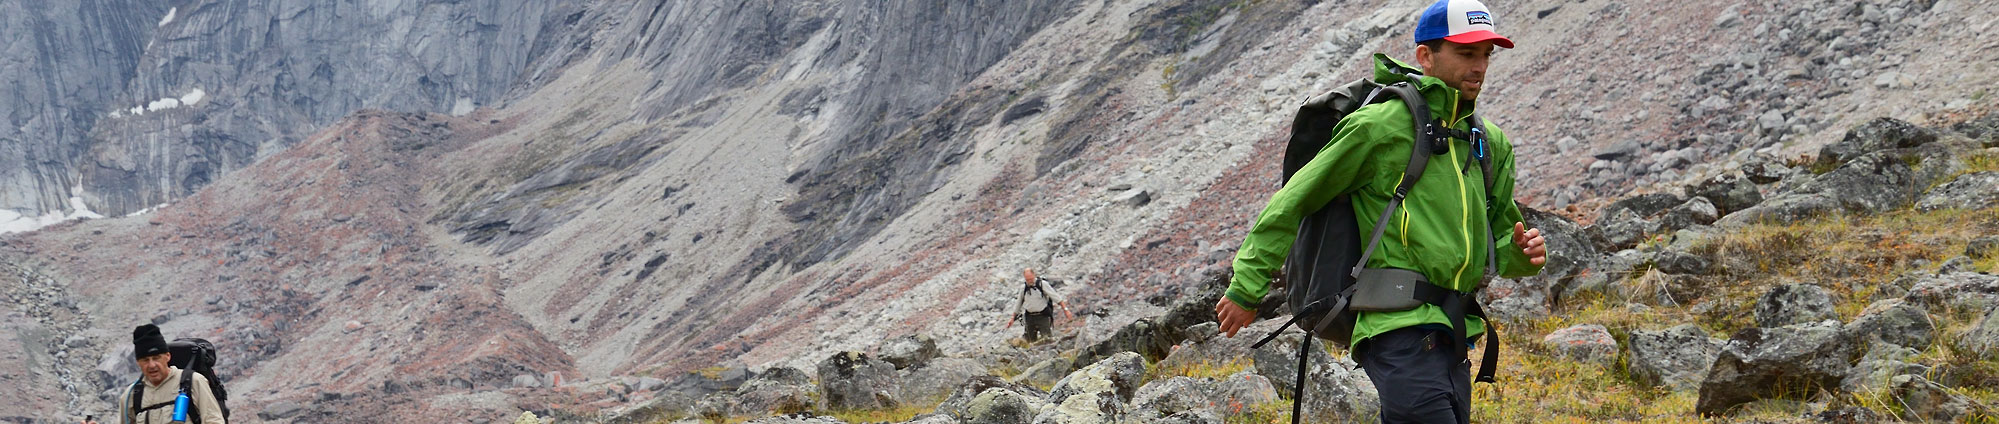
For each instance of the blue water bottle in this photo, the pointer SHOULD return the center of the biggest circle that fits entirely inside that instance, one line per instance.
(180, 408)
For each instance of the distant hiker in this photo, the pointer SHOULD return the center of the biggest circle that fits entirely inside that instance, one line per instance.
(1442, 235)
(1038, 302)
(160, 388)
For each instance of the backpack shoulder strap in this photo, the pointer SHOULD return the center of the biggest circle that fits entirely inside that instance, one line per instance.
(187, 387)
(1419, 158)
(137, 396)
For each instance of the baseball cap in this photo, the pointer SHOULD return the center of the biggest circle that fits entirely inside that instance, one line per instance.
(1458, 21)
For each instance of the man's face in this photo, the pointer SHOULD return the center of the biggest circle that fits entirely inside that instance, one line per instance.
(1462, 66)
(154, 368)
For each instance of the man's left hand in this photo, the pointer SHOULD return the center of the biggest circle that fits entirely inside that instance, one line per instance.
(1531, 242)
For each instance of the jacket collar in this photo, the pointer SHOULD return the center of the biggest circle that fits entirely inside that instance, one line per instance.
(1442, 98)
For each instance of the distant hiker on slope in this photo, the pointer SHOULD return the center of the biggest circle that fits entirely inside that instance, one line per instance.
(160, 397)
(1418, 314)
(1038, 302)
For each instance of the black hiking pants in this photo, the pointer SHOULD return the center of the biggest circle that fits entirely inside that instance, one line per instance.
(1039, 324)
(1419, 375)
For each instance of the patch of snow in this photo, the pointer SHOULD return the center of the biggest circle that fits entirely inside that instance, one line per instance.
(138, 110)
(82, 210)
(163, 104)
(12, 221)
(170, 16)
(464, 106)
(146, 210)
(193, 97)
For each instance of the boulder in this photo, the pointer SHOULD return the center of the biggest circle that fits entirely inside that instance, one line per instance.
(1245, 388)
(1621, 230)
(1643, 205)
(935, 379)
(1335, 387)
(1872, 183)
(1044, 373)
(1170, 396)
(1876, 135)
(1155, 337)
(778, 390)
(1983, 339)
(1728, 192)
(1278, 361)
(853, 380)
(1977, 190)
(1002, 406)
(959, 405)
(1588, 343)
(1676, 262)
(1762, 363)
(1570, 251)
(526, 380)
(116, 369)
(1695, 212)
(1677, 358)
(1791, 207)
(1879, 367)
(1927, 401)
(1115, 378)
(1984, 130)
(1892, 321)
(1880, 181)
(1762, 169)
(716, 407)
(1794, 304)
(909, 350)
(1963, 290)
(280, 410)
(1621, 150)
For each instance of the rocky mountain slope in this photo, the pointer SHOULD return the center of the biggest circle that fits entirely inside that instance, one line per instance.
(591, 194)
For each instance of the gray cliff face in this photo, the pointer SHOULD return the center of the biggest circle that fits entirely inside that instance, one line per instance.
(152, 105)
(62, 67)
(892, 68)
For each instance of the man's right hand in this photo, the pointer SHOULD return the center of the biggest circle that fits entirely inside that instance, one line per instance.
(1232, 317)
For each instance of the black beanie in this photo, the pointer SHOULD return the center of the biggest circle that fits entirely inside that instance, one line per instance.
(147, 341)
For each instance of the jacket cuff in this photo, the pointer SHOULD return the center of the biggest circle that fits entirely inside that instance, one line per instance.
(1243, 299)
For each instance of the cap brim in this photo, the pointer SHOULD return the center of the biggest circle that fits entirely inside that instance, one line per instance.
(1477, 36)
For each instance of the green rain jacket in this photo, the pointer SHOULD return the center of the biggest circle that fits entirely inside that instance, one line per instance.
(1437, 230)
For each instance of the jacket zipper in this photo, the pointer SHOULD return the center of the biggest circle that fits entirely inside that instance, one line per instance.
(1464, 207)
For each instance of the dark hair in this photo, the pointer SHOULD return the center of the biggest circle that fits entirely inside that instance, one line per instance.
(1436, 45)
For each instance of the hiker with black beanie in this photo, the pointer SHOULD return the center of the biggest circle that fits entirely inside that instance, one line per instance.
(1457, 223)
(161, 386)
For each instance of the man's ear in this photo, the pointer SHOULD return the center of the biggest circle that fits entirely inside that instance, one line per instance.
(1424, 57)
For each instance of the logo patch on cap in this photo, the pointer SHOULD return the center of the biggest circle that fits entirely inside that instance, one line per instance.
(1478, 17)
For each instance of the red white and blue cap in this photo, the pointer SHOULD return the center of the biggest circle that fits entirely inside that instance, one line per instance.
(1458, 21)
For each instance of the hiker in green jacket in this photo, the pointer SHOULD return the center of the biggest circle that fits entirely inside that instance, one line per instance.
(1439, 230)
